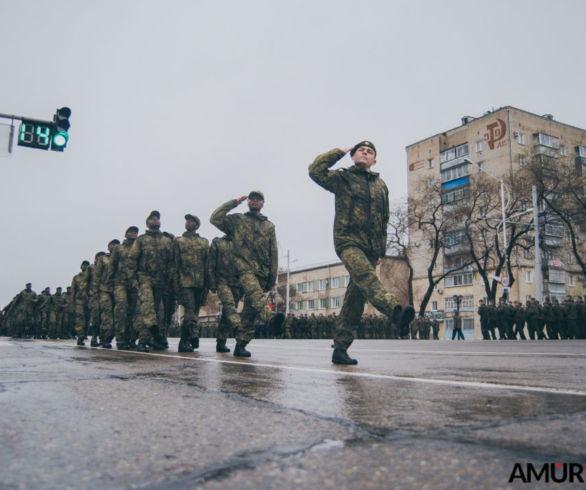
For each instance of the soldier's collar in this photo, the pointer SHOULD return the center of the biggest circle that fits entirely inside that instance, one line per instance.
(359, 170)
(261, 217)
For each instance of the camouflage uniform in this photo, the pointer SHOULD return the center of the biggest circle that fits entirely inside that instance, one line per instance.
(80, 297)
(94, 299)
(105, 298)
(125, 295)
(151, 265)
(25, 312)
(360, 238)
(57, 315)
(483, 314)
(254, 245)
(44, 306)
(190, 256)
(224, 281)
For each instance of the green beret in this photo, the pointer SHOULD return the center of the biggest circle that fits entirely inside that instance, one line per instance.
(193, 217)
(257, 194)
(362, 143)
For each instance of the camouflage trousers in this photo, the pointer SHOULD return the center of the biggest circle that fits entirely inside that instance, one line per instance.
(55, 324)
(191, 299)
(94, 310)
(364, 285)
(230, 322)
(106, 315)
(125, 301)
(82, 317)
(150, 311)
(255, 307)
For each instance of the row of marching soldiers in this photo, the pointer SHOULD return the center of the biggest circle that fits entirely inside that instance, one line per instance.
(130, 293)
(39, 316)
(551, 320)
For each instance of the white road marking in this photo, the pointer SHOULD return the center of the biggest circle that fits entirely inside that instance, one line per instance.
(344, 372)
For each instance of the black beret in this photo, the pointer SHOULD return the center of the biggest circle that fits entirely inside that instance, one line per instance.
(131, 228)
(256, 193)
(154, 213)
(116, 241)
(86, 262)
(362, 143)
(193, 217)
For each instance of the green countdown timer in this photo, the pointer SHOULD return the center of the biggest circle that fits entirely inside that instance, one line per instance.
(42, 135)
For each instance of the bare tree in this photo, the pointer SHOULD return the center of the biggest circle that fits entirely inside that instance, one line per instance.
(398, 240)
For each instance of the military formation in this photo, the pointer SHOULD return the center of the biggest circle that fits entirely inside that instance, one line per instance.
(534, 321)
(130, 293)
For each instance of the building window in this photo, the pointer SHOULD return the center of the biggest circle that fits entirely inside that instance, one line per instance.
(453, 153)
(528, 254)
(346, 281)
(520, 137)
(430, 163)
(311, 304)
(336, 302)
(455, 195)
(458, 280)
(299, 305)
(479, 146)
(581, 151)
(434, 306)
(466, 303)
(335, 282)
(563, 151)
(571, 281)
(455, 172)
(528, 278)
(522, 160)
(323, 303)
(542, 139)
(323, 284)
(310, 286)
(300, 288)
(480, 165)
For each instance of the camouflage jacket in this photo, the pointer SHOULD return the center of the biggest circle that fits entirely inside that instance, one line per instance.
(362, 204)
(254, 242)
(44, 302)
(119, 273)
(221, 268)
(151, 259)
(59, 302)
(100, 272)
(26, 299)
(190, 257)
(80, 286)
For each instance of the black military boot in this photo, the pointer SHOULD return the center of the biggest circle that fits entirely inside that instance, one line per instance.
(94, 342)
(80, 341)
(221, 346)
(340, 356)
(142, 347)
(106, 343)
(122, 344)
(157, 338)
(240, 350)
(184, 346)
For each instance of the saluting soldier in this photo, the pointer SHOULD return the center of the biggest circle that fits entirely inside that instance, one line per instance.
(256, 259)
(360, 237)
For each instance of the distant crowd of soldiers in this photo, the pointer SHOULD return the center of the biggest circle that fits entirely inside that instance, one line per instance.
(550, 320)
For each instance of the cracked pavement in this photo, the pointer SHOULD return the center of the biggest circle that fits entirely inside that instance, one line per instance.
(411, 414)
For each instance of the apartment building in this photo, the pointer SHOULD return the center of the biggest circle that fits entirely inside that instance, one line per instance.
(497, 144)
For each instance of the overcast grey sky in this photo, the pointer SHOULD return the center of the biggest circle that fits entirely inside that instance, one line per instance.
(182, 105)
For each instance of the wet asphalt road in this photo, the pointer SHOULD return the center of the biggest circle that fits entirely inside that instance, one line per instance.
(411, 414)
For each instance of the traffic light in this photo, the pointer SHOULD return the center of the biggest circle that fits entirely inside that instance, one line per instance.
(60, 127)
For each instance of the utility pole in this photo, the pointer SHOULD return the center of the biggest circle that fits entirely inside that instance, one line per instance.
(287, 292)
(538, 276)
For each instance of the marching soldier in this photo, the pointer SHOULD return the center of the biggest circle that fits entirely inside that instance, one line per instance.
(360, 237)
(80, 299)
(224, 281)
(256, 259)
(190, 255)
(151, 267)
